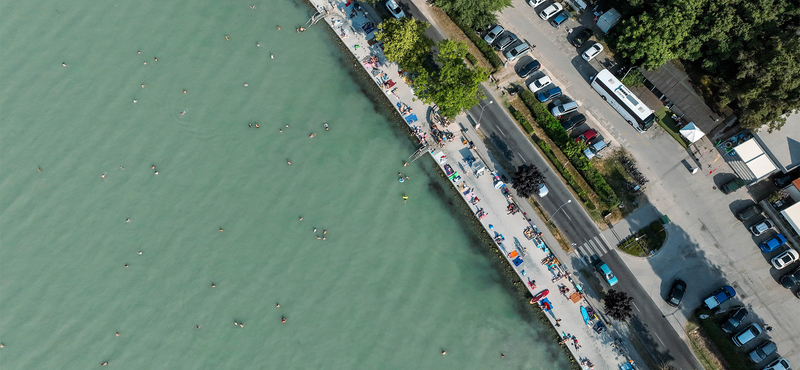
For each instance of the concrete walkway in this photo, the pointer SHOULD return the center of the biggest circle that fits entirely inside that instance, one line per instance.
(487, 195)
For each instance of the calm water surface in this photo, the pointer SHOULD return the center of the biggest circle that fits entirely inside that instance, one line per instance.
(391, 286)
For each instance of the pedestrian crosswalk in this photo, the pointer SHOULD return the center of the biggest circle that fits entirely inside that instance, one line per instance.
(596, 246)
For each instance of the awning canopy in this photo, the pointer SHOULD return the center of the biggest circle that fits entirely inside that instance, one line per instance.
(756, 160)
(692, 133)
(792, 215)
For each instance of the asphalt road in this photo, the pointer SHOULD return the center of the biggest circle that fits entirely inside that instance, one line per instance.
(510, 142)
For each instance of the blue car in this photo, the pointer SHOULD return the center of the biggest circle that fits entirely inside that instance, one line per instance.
(549, 94)
(559, 19)
(772, 243)
(719, 296)
(607, 274)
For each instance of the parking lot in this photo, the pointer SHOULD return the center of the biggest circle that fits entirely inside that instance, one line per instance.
(707, 246)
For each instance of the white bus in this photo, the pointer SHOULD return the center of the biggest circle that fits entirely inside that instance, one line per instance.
(628, 105)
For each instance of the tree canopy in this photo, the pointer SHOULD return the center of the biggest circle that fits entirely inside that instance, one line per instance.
(618, 305)
(404, 42)
(526, 180)
(454, 87)
(749, 50)
(473, 13)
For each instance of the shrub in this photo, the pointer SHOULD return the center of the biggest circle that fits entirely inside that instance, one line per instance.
(522, 121)
(484, 48)
(471, 58)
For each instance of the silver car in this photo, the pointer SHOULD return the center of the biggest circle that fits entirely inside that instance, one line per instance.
(517, 51)
(493, 34)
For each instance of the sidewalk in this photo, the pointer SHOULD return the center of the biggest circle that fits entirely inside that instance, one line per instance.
(486, 194)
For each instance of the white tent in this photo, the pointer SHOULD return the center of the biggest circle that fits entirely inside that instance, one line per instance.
(692, 133)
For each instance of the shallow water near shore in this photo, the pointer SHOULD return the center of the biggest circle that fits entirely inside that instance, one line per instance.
(391, 285)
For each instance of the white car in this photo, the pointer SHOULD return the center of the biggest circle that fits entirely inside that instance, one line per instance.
(543, 191)
(394, 8)
(535, 3)
(761, 227)
(779, 364)
(592, 52)
(538, 84)
(785, 259)
(550, 11)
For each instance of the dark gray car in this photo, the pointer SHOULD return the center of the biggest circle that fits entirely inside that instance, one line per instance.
(749, 212)
(505, 40)
(734, 320)
(762, 351)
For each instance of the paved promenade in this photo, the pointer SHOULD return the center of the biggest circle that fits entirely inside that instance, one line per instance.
(486, 196)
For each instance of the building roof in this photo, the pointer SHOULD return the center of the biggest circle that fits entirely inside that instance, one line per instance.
(676, 85)
(792, 216)
(783, 145)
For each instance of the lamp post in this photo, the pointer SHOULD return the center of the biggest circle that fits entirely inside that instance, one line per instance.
(559, 208)
(481, 115)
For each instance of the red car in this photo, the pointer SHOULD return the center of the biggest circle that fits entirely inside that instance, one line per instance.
(586, 136)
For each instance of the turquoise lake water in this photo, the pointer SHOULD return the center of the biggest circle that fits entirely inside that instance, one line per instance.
(392, 285)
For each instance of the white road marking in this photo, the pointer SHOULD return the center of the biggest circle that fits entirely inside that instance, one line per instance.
(659, 339)
(637, 308)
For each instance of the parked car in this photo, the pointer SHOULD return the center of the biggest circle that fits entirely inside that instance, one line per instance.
(732, 186)
(606, 272)
(791, 279)
(504, 41)
(573, 121)
(559, 19)
(675, 295)
(592, 52)
(719, 296)
(749, 212)
(735, 319)
(586, 136)
(772, 243)
(550, 11)
(762, 351)
(582, 37)
(540, 83)
(493, 34)
(548, 94)
(594, 149)
(761, 227)
(543, 190)
(779, 364)
(783, 181)
(561, 109)
(529, 68)
(535, 3)
(784, 259)
(515, 52)
(394, 8)
(751, 332)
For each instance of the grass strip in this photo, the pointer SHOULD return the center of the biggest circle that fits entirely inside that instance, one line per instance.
(670, 126)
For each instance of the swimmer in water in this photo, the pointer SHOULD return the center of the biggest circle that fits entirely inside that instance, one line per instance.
(325, 125)
(143, 86)
(127, 220)
(153, 167)
(312, 135)
(135, 101)
(220, 230)
(279, 28)
(227, 38)
(197, 326)
(301, 218)
(235, 323)
(184, 91)
(213, 285)
(323, 238)
(280, 130)
(252, 6)
(277, 305)
(241, 325)
(324, 232)
(122, 168)
(271, 56)
(117, 333)
(103, 175)
(249, 125)
(145, 63)
(246, 84)
(126, 265)
(138, 52)
(39, 169)
(319, 237)
(183, 113)
(287, 126)
(139, 253)
(288, 162)
(315, 229)
(258, 44)
(257, 126)
(444, 352)
(156, 172)
(63, 64)
(104, 363)
(155, 59)
(283, 319)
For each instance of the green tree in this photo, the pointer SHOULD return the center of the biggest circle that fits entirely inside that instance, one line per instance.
(405, 42)
(473, 13)
(654, 37)
(454, 87)
(618, 305)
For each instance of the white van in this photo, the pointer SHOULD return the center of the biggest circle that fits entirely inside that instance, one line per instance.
(562, 109)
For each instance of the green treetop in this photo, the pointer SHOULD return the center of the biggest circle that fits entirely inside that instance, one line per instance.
(405, 42)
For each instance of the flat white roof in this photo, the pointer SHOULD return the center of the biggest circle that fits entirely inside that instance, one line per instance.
(756, 160)
(792, 215)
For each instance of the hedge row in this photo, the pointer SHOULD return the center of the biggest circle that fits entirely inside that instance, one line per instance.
(471, 58)
(522, 121)
(485, 48)
(571, 181)
(574, 151)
